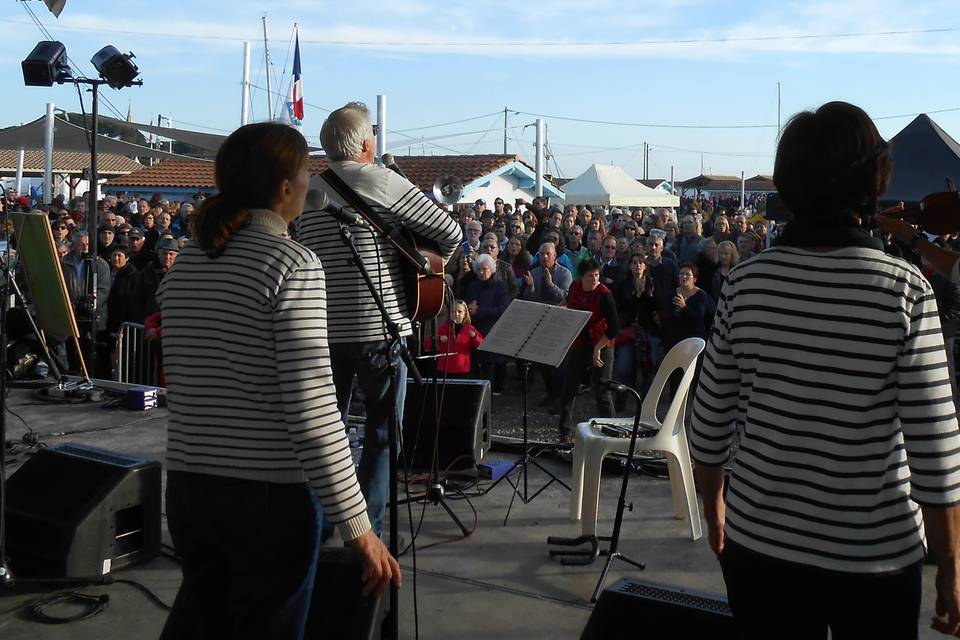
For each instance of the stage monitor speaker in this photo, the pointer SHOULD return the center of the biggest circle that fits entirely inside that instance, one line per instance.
(464, 423)
(338, 609)
(75, 511)
(635, 609)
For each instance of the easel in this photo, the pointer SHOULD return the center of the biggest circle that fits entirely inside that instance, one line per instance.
(533, 333)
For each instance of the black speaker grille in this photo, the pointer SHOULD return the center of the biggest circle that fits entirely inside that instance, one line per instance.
(675, 596)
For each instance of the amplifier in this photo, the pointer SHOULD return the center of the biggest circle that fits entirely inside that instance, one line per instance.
(464, 423)
(634, 609)
(338, 609)
(75, 511)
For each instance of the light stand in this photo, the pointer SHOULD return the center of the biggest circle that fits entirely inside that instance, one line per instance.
(397, 344)
(47, 64)
(92, 234)
(612, 553)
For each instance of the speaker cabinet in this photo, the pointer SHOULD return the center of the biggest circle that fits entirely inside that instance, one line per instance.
(464, 423)
(632, 609)
(77, 511)
(338, 610)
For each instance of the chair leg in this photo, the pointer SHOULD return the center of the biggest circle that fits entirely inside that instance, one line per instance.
(593, 464)
(676, 486)
(576, 492)
(685, 491)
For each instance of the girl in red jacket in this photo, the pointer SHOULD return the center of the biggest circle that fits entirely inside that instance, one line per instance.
(457, 340)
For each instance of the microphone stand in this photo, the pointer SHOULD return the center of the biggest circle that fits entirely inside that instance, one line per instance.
(397, 344)
(612, 553)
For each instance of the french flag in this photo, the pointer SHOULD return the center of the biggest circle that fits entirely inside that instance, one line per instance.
(297, 91)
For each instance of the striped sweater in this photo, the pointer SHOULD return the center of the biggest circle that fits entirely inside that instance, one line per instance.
(830, 368)
(250, 388)
(352, 314)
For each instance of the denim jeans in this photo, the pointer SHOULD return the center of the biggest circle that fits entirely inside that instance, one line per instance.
(249, 551)
(368, 363)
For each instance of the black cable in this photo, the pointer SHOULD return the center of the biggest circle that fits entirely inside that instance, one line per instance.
(93, 605)
(147, 591)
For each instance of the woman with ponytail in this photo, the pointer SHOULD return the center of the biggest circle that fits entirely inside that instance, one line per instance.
(254, 437)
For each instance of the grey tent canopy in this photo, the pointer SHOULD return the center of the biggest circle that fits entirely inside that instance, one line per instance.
(924, 156)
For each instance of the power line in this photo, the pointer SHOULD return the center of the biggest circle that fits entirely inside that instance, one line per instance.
(528, 43)
(444, 124)
(649, 125)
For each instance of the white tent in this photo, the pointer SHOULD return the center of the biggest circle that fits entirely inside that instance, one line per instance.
(612, 186)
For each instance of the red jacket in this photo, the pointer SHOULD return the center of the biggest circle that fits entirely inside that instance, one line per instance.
(457, 349)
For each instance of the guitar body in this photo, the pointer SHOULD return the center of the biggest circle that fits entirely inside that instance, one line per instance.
(424, 293)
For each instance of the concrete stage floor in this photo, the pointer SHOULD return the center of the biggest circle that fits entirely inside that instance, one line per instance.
(497, 583)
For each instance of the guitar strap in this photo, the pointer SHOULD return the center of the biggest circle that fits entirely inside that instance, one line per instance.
(392, 234)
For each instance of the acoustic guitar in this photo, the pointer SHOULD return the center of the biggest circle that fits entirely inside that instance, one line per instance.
(421, 265)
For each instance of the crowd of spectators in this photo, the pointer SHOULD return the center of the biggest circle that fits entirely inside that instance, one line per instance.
(664, 270)
(138, 239)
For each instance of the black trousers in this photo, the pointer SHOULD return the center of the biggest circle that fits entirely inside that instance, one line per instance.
(772, 598)
(577, 363)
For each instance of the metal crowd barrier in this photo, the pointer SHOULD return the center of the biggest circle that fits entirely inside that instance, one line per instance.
(137, 360)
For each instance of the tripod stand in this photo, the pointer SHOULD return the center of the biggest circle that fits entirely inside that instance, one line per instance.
(436, 491)
(526, 459)
(581, 557)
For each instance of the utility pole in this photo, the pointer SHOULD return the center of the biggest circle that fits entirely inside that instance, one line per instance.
(504, 131)
(778, 108)
(266, 64)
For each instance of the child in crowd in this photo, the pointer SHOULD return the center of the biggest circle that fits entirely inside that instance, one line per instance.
(457, 341)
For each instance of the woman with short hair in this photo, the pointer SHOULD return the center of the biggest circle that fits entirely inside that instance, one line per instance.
(826, 363)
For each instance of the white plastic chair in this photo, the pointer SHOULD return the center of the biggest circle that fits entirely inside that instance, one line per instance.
(591, 446)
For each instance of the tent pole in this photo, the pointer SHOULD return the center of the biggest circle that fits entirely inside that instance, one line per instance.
(245, 94)
(539, 164)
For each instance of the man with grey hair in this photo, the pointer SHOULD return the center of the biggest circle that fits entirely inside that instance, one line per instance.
(359, 342)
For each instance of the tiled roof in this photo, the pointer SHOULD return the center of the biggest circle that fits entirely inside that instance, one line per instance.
(728, 183)
(70, 162)
(421, 170)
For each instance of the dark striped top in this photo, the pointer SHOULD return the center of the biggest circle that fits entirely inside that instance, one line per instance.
(352, 314)
(830, 368)
(250, 388)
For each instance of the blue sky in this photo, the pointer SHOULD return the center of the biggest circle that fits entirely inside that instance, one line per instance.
(444, 61)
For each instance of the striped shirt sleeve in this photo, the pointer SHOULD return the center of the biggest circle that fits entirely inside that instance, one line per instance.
(309, 399)
(715, 404)
(421, 215)
(926, 409)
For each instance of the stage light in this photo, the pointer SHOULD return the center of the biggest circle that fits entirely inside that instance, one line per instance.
(46, 64)
(116, 68)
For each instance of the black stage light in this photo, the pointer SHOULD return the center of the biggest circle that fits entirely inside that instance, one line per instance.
(46, 64)
(115, 67)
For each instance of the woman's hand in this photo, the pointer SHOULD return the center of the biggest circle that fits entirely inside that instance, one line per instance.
(597, 360)
(528, 278)
(679, 302)
(443, 338)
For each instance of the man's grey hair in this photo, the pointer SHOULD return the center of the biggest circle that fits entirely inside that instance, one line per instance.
(77, 234)
(344, 131)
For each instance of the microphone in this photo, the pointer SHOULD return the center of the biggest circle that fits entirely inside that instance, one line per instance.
(391, 163)
(317, 201)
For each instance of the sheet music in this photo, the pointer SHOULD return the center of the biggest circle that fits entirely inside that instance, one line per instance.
(535, 332)
(552, 339)
(513, 328)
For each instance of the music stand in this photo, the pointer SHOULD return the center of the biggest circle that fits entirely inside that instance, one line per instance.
(533, 332)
